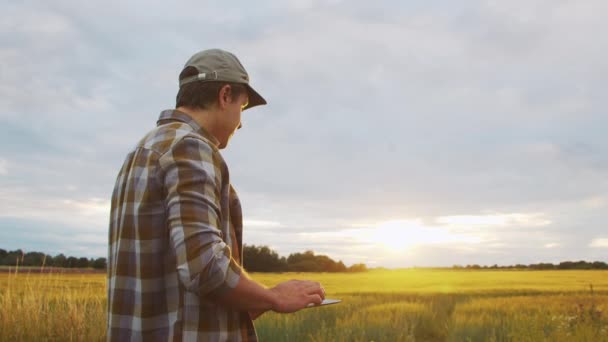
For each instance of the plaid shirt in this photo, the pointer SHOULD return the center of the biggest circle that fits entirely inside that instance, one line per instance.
(174, 240)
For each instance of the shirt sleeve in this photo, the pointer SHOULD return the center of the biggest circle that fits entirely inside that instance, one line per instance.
(192, 181)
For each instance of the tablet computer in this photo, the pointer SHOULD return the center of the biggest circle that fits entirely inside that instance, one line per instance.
(325, 301)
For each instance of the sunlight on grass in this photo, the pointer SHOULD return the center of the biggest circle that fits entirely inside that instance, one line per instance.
(380, 305)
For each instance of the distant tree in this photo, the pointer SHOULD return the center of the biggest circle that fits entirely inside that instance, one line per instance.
(71, 262)
(583, 265)
(305, 265)
(60, 260)
(14, 258)
(82, 263)
(303, 262)
(33, 259)
(99, 263)
(262, 259)
(357, 268)
(542, 266)
(295, 258)
(309, 262)
(324, 263)
(338, 267)
(574, 265)
(48, 260)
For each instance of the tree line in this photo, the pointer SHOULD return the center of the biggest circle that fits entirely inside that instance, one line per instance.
(256, 259)
(264, 259)
(564, 265)
(20, 258)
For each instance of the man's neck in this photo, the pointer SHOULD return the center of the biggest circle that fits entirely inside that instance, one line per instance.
(203, 118)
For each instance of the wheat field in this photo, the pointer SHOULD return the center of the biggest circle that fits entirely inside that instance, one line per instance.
(379, 305)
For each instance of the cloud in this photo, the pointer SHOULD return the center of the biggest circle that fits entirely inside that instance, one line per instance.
(513, 219)
(481, 120)
(53, 239)
(261, 223)
(398, 241)
(599, 243)
(84, 214)
(3, 167)
(595, 202)
(465, 104)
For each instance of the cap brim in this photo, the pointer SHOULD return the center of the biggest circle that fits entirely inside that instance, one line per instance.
(255, 99)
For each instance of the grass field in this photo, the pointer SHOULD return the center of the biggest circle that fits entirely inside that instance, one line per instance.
(399, 305)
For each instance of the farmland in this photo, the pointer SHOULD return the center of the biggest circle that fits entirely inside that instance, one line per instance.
(379, 305)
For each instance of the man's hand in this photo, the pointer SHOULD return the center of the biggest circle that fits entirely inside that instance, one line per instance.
(294, 295)
(286, 297)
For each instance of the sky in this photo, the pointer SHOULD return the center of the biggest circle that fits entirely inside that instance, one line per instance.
(397, 134)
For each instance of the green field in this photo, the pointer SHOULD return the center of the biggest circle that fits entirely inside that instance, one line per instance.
(387, 305)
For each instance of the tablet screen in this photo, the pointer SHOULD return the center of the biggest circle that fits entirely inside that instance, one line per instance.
(325, 302)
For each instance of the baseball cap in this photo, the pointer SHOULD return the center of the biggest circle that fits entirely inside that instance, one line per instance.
(218, 65)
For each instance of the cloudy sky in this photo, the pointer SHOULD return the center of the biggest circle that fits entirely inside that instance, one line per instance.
(397, 133)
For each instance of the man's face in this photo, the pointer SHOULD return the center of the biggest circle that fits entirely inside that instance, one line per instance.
(230, 119)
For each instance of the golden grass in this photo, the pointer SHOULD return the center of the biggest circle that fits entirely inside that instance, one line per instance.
(52, 307)
(389, 305)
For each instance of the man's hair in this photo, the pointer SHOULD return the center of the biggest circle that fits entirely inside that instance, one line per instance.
(202, 95)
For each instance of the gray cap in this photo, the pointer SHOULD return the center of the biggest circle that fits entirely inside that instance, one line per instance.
(219, 65)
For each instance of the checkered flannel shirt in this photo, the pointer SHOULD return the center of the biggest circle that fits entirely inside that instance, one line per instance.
(174, 240)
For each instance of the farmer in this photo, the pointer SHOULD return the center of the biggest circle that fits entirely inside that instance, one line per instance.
(175, 237)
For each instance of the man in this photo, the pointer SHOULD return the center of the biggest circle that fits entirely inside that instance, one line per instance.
(175, 238)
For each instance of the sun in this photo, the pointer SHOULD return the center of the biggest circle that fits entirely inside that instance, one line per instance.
(398, 235)
(404, 235)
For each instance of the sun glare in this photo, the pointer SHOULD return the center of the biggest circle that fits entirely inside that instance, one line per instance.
(531, 219)
(403, 235)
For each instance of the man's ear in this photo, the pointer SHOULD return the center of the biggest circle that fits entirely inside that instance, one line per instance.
(224, 96)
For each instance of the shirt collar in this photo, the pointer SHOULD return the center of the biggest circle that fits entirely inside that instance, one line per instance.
(171, 115)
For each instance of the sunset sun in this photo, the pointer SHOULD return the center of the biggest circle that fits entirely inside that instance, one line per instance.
(403, 235)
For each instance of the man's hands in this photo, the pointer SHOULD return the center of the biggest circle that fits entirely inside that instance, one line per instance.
(286, 297)
(294, 295)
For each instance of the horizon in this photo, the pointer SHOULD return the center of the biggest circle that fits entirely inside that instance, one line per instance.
(427, 135)
(454, 266)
